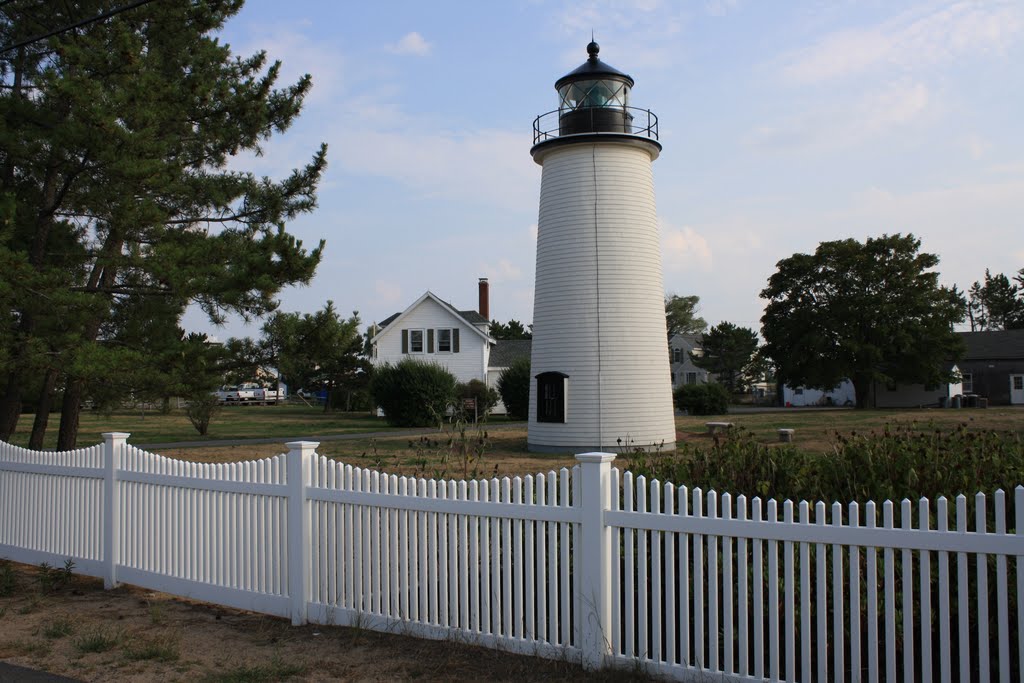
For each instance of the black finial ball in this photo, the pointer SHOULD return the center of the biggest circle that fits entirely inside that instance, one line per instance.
(592, 49)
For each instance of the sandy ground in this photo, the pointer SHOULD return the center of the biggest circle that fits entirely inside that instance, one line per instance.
(77, 629)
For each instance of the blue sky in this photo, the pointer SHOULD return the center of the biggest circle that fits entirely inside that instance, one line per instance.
(784, 124)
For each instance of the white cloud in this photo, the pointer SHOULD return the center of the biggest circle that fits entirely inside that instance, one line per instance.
(411, 44)
(842, 123)
(684, 248)
(911, 41)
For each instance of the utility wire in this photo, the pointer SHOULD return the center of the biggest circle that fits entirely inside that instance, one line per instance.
(84, 22)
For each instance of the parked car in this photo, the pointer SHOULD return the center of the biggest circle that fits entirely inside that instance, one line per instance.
(239, 394)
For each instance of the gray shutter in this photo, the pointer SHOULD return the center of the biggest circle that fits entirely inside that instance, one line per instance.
(430, 340)
(455, 340)
(405, 341)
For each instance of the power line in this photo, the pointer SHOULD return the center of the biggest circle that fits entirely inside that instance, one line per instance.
(84, 22)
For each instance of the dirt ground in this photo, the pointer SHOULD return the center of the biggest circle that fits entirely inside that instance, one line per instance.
(71, 626)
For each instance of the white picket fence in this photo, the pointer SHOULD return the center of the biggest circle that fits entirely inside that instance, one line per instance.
(592, 565)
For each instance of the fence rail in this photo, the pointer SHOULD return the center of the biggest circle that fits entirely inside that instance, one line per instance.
(591, 564)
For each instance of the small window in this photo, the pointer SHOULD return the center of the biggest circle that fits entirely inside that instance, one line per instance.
(677, 356)
(799, 391)
(968, 383)
(415, 341)
(444, 341)
(1018, 382)
(551, 394)
(691, 378)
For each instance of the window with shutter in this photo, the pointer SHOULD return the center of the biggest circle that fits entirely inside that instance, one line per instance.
(415, 341)
(444, 341)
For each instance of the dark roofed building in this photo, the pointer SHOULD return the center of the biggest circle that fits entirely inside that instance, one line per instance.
(993, 366)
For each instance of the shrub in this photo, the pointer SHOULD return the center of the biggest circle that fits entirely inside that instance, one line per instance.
(201, 410)
(411, 393)
(486, 397)
(702, 399)
(514, 387)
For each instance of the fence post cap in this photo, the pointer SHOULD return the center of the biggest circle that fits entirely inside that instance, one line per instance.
(302, 445)
(116, 436)
(595, 457)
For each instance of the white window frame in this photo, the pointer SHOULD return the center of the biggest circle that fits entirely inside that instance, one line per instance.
(423, 341)
(691, 376)
(967, 382)
(451, 336)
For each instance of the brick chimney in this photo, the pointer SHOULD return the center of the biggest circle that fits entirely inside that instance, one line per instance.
(484, 307)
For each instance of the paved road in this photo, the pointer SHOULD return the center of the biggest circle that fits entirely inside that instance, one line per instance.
(10, 673)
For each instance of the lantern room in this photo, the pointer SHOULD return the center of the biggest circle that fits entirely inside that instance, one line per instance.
(594, 98)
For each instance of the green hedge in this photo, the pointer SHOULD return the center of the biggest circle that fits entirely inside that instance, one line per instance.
(413, 394)
(514, 387)
(702, 399)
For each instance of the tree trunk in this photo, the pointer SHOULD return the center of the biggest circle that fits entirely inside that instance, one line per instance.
(862, 390)
(70, 409)
(42, 419)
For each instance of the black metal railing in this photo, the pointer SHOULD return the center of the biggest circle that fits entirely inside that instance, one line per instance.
(586, 120)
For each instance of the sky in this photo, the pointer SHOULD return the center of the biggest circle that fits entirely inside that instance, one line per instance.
(784, 124)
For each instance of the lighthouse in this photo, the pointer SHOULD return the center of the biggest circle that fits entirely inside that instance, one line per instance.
(600, 368)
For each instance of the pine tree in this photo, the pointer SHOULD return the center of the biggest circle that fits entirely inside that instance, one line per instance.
(151, 108)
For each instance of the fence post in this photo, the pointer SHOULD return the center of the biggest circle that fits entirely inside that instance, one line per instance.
(113, 446)
(594, 575)
(300, 461)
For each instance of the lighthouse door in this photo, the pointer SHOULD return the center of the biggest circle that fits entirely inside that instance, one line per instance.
(1017, 389)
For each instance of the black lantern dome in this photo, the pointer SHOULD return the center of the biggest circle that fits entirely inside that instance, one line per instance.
(594, 98)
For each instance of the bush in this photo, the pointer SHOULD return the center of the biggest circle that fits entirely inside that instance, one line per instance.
(514, 387)
(201, 410)
(702, 399)
(413, 394)
(486, 397)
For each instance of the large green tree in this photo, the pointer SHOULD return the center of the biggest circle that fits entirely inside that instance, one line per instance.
(116, 148)
(868, 312)
(996, 303)
(319, 349)
(728, 352)
(513, 329)
(681, 315)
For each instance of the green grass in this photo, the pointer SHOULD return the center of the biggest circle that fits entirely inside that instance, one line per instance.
(235, 422)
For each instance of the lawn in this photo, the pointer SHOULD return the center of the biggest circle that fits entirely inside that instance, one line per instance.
(235, 422)
(447, 454)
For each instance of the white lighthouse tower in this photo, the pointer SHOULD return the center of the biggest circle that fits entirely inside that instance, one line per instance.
(600, 366)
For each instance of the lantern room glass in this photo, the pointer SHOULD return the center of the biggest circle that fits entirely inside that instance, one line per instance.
(597, 93)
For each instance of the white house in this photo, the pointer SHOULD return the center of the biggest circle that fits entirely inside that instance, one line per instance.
(882, 395)
(842, 395)
(680, 346)
(434, 331)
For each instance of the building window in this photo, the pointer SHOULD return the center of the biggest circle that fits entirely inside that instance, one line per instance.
(673, 379)
(551, 395)
(799, 391)
(967, 382)
(415, 341)
(677, 356)
(691, 378)
(444, 341)
(1018, 382)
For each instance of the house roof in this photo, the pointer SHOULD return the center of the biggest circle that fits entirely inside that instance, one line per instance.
(507, 351)
(994, 345)
(472, 318)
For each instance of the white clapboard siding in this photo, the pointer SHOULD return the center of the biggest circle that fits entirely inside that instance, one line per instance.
(593, 564)
(599, 310)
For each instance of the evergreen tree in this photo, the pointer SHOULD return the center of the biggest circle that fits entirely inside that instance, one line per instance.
(728, 352)
(122, 150)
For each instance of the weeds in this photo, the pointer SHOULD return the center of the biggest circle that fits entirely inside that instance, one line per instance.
(52, 579)
(58, 628)
(98, 640)
(275, 670)
(7, 579)
(164, 649)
